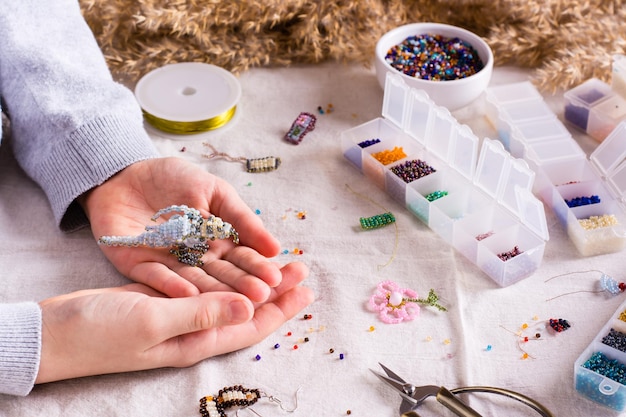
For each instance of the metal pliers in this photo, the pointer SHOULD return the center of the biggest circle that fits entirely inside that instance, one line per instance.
(413, 396)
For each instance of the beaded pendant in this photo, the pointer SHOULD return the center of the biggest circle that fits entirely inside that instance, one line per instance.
(254, 165)
(377, 221)
(304, 123)
(185, 234)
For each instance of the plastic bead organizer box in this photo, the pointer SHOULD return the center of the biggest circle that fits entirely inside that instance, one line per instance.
(485, 207)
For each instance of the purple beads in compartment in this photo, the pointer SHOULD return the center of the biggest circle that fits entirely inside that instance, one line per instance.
(412, 170)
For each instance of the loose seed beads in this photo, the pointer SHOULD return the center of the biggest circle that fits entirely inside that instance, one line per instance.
(377, 221)
(256, 165)
(597, 222)
(505, 256)
(369, 142)
(436, 195)
(412, 170)
(434, 57)
(559, 325)
(615, 339)
(582, 201)
(388, 156)
(484, 235)
(610, 368)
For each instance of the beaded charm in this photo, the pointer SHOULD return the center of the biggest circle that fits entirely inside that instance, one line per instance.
(395, 304)
(236, 396)
(228, 397)
(304, 123)
(185, 234)
(266, 164)
(607, 284)
(377, 221)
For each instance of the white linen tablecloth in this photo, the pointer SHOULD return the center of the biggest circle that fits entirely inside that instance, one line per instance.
(444, 348)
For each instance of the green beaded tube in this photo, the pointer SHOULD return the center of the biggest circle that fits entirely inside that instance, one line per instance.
(379, 220)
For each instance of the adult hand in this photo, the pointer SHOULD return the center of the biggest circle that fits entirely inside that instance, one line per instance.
(133, 327)
(124, 204)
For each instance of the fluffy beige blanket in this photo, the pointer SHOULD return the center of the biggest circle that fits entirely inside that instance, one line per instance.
(564, 41)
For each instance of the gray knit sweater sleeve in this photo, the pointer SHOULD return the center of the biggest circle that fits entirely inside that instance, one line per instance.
(72, 129)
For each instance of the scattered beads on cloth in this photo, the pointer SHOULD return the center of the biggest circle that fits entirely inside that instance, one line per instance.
(389, 156)
(412, 170)
(596, 222)
(377, 221)
(582, 201)
(434, 57)
(559, 325)
(369, 142)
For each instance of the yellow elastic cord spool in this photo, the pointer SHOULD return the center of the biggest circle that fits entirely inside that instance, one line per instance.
(188, 98)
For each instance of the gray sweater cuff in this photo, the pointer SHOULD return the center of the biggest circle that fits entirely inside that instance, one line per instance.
(20, 347)
(91, 155)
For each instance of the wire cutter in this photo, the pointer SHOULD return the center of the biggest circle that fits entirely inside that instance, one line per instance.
(413, 396)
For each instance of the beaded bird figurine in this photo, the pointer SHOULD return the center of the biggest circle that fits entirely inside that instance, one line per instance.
(185, 234)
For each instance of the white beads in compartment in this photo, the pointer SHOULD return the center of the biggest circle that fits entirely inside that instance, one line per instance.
(480, 204)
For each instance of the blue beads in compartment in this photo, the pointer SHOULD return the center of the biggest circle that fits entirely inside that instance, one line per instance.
(600, 371)
(442, 180)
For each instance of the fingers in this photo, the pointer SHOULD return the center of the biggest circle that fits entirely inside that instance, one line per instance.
(163, 279)
(180, 316)
(226, 203)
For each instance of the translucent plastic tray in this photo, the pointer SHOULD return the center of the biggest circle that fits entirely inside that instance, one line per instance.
(563, 170)
(595, 383)
(486, 209)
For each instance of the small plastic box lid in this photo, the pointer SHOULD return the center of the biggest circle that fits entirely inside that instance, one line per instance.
(510, 180)
(508, 93)
(609, 158)
(431, 125)
(589, 93)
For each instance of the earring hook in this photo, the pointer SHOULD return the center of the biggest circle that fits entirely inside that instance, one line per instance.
(280, 403)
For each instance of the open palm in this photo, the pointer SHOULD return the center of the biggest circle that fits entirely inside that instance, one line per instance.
(124, 204)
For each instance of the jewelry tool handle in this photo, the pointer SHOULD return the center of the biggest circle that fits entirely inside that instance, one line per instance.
(457, 406)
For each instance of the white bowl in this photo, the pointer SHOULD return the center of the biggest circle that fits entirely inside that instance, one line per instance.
(453, 94)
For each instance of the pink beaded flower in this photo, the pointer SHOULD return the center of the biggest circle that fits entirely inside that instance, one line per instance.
(394, 304)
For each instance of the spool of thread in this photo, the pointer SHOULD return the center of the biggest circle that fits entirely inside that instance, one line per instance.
(188, 98)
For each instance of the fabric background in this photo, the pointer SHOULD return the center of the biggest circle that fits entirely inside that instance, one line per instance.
(39, 261)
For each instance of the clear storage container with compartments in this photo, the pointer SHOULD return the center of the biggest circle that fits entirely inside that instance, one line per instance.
(564, 173)
(480, 201)
(600, 371)
(595, 108)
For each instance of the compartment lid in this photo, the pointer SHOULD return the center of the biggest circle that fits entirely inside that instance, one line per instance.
(431, 125)
(501, 94)
(509, 180)
(589, 93)
(609, 159)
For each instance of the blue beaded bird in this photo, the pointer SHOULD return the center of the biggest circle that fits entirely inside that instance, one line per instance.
(186, 234)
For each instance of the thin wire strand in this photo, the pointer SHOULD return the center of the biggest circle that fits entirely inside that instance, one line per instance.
(572, 273)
